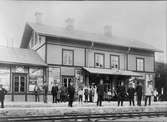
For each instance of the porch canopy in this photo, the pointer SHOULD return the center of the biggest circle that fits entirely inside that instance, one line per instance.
(111, 72)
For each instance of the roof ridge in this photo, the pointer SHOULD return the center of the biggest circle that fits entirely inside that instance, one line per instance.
(90, 36)
(75, 30)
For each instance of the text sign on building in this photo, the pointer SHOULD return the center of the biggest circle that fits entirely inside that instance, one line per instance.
(20, 69)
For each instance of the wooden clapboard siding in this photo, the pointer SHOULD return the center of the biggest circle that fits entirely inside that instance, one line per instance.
(148, 62)
(54, 54)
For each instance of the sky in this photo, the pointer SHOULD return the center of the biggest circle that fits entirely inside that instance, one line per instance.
(140, 20)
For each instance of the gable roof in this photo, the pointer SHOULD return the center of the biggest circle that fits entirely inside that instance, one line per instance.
(84, 36)
(10, 55)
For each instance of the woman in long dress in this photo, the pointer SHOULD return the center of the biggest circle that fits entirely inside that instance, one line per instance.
(95, 94)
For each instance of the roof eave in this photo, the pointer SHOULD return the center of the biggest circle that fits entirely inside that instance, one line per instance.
(25, 64)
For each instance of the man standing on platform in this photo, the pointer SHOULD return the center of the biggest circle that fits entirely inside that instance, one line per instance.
(131, 92)
(45, 90)
(54, 92)
(121, 92)
(3, 92)
(100, 93)
(71, 92)
(139, 93)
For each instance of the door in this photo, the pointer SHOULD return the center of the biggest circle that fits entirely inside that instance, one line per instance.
(19, 85)
(66, 81)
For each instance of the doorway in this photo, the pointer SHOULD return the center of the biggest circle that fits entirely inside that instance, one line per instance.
(19, 86)
(67, 80)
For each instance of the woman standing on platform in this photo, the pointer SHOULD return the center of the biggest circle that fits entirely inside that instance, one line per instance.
(36, 92)
(95, 94)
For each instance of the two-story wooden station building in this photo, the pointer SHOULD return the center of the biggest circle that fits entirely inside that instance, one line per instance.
(85, 58)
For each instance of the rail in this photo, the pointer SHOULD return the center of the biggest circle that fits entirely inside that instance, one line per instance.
(76, 116)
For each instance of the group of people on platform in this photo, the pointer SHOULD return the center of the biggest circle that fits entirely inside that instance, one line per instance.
(59, 94)
(92, 93)
(96, 94)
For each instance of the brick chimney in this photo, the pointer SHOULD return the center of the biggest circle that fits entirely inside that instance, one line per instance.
(38, 17)
(69, 24)
(108, 30)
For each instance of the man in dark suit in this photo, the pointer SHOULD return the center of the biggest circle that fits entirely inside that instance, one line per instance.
(100, 93)
(139, 93)
(131, 92)
(45, 90)
(54, 93)
(3, 92)
(71, 92)
(121, 92)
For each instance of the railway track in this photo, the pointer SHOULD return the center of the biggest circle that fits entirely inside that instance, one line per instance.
(77, 116)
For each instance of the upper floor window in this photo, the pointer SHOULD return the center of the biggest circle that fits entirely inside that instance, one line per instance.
(68, 57)
(140, 64)
(99, 60)
(114, 61)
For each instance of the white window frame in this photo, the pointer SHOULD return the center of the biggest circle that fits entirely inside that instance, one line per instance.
(114, 62)
(67, 62)
(96, 60)
(140, 64)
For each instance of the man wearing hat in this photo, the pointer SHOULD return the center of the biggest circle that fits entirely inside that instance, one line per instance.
(139, 93)
(71, 92)
(3, 92)
(131, 92)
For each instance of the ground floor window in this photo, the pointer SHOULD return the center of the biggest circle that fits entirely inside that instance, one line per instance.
(35, 76)
(5, 77)
(54, 76)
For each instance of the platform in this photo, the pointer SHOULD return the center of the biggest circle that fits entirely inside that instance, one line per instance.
(18, 109)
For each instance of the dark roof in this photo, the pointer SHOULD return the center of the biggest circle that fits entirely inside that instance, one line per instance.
(82, 35)
(10, 55)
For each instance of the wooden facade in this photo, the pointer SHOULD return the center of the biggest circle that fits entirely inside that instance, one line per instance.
(51, 46)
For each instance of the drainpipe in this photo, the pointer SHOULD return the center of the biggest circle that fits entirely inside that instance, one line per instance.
(129, 49)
